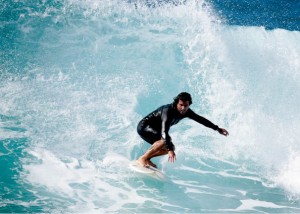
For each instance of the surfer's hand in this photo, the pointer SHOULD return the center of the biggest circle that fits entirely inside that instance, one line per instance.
(223, 131)
(172, 156)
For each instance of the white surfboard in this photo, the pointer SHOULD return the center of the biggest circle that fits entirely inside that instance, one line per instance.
(149, 170)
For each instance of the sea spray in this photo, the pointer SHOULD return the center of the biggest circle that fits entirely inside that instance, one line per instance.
(78, 76)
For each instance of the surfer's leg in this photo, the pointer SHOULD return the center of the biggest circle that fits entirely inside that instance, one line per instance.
(158, 153)
(153, 151)
(153, 137)
(162, 151)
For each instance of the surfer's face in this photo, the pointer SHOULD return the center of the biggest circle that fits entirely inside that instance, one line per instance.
(182, 106)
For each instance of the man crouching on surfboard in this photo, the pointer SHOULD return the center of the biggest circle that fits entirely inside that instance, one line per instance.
(154, 128)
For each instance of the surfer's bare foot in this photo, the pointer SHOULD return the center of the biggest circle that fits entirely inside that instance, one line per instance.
(142, 162)
(150, 163)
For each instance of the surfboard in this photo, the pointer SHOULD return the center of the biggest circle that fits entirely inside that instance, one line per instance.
(149, 170)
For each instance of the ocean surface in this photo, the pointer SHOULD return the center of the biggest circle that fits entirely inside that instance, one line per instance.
(76, 77)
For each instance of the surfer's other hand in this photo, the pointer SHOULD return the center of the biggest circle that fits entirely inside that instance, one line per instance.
(223, 131)
(172, 156)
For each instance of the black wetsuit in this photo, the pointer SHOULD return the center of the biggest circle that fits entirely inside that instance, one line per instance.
(156, 125)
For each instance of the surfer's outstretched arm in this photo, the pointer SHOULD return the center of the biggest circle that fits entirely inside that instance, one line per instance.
(206, 122)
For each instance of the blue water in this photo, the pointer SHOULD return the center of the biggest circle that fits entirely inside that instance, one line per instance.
(77, 76)
(270, 14)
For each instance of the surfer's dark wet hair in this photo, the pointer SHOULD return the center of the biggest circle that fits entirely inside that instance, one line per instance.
(184, 96)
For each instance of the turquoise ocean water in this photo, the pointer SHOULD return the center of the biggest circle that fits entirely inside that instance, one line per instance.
(76, 76)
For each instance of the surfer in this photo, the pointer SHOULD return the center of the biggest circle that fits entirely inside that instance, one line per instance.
(154, 128)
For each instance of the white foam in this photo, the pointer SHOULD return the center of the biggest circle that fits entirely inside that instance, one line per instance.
(250, 204)
(79, 102)
(289, 176)
(95, 187)
(252, 90)
(56, 175)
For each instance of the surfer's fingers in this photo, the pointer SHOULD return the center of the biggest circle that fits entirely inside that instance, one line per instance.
(172, 159)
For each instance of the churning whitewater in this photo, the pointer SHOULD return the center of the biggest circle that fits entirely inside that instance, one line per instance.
(77, 76)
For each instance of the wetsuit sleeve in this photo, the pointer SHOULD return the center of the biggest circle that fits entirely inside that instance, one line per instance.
(202, 120)
(165, 126)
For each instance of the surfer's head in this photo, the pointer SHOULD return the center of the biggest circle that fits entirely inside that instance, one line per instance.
(182, 102)
(184, 96)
